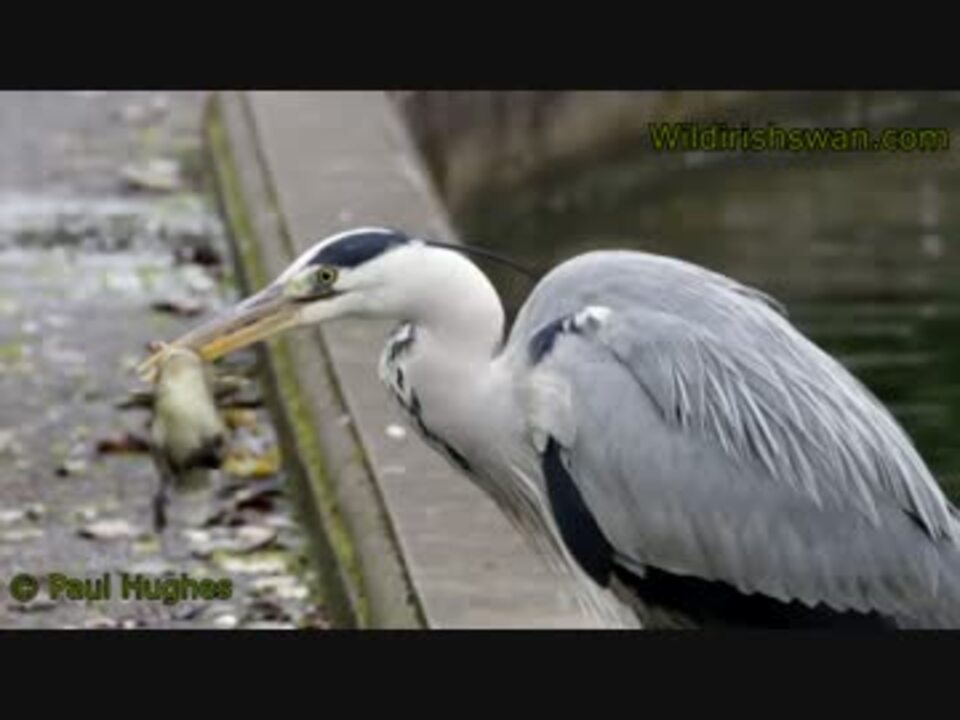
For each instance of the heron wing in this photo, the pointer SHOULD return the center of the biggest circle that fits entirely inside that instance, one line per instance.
(707, 437)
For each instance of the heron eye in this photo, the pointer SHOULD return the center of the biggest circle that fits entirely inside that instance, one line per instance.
(326, 275)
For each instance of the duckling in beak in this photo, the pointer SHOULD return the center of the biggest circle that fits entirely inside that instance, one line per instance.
(187, 432)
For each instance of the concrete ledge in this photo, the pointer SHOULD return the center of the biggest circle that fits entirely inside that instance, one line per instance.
(320, 450)
(402, 540)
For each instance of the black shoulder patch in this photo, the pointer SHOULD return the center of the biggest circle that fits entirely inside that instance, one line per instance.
(587, 320)
(357, 248)
(578, 528)
(542, 341)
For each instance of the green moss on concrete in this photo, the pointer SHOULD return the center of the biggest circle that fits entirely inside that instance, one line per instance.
(309, 451)
(234, 207)
(12, 352)
(297, 416)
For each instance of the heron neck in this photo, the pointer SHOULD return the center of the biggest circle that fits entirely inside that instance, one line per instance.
(467, 323)
(461, 391)
(449, 366)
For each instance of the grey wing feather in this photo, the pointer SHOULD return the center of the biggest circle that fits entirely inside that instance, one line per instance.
(710, 438)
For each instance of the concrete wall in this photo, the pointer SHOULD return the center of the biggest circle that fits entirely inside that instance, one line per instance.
(475, 137)
(473, 140)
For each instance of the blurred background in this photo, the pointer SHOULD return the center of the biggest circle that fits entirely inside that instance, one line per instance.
(864, 248)
(110, 237)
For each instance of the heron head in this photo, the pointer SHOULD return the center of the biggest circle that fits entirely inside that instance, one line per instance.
(367, 272)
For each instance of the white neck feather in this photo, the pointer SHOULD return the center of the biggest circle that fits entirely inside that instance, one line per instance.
(441, 292)
(460, 308)
(458, 324)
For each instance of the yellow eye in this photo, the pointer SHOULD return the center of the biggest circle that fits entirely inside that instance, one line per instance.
(326, 275)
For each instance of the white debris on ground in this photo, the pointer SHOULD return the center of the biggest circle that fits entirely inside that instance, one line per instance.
(106, 243)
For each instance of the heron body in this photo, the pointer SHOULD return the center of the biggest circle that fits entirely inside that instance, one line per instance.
(672, 446)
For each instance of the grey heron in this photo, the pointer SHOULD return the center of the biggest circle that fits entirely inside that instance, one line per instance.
(662, 434)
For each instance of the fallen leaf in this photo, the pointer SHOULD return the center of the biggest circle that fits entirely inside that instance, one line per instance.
(39, 604)
(8, 517)
(258, 496)
(254, 537)
(159, 174)
(269, 625)
(276, 520)
(124, 443)
(197, 279)
(226, 384)
(244, 464)
(100, 623)
(255, 564)
(146, 546)
(266, 610)
(153, 566)
(9, 444)
(72, 466)
(110, 529)
(240, 401)
(240, 540)
(181, 307)
(285, 587)
(314, 619)
(204, 255)
(239, 417)
(188, 612)
(196, 536)
(87, 513)
(226, 621)
(16, 536)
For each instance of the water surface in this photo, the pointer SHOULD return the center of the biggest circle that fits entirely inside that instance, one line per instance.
(863, 249)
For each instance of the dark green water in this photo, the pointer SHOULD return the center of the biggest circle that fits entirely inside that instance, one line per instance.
(863, 249)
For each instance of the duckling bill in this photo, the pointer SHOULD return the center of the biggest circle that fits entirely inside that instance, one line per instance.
(187, 432)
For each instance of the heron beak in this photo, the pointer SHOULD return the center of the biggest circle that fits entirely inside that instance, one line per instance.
(257, 318)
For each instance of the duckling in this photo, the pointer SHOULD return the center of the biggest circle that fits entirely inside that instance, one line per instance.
(187, 432)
